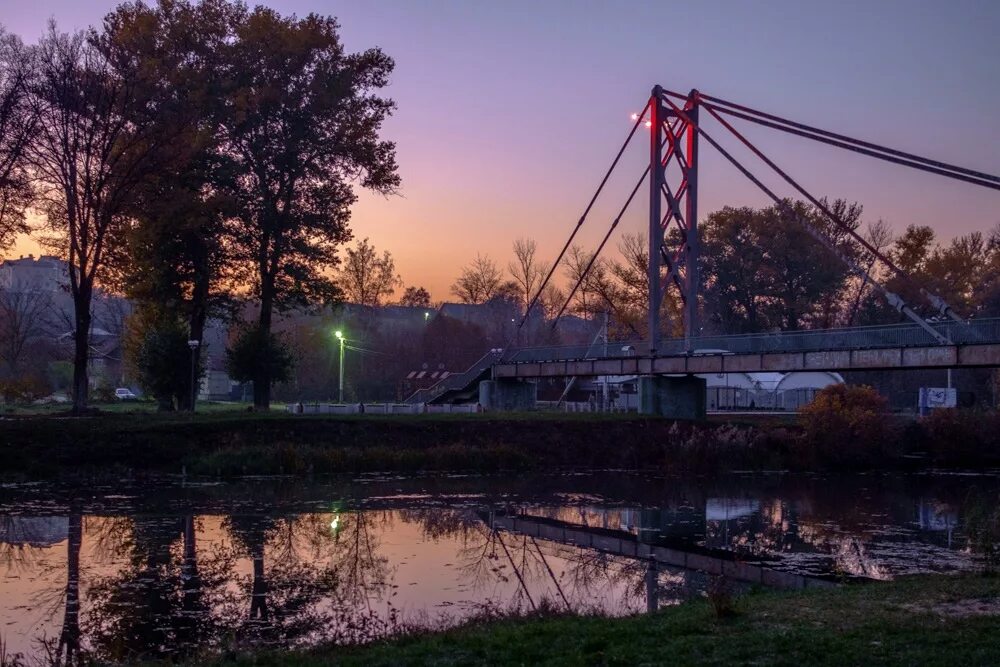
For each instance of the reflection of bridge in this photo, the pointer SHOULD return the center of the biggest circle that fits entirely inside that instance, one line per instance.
(660, 553)
(666, 368)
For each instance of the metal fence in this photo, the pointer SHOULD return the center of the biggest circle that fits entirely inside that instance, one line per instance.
(852, 338)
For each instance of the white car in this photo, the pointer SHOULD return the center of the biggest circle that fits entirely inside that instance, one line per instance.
(125, 394)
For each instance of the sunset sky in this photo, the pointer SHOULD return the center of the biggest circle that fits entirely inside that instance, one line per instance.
(509, 112)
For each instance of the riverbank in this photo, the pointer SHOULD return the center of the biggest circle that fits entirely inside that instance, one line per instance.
(927, 620)
(244, 443)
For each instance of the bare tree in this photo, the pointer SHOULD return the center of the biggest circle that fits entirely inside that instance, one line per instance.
(586, 300)
(17, 123)
(479, 281)
(879, 235)
(366, 278)
(94, 143)
(24, 316)
(526, 270)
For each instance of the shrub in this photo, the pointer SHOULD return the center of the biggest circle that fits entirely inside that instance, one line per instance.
(848, 426)
(23, 389)
(962, 437)
(254, 350)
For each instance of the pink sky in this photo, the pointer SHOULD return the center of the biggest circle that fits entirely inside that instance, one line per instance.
(509, 112)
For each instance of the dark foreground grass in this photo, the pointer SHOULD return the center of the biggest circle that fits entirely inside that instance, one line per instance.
(935, 620)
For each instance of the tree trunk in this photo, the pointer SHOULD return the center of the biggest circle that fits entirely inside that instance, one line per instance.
(196, 325)
(81, 347)
(262, 381)
(68, 648)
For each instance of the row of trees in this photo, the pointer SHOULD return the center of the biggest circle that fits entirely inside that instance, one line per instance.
(186, 152)
(761, 271)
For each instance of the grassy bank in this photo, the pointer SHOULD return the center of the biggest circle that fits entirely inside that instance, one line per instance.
(933, 620)
(232, 443)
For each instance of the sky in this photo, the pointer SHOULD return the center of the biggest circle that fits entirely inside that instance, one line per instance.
(509, 112)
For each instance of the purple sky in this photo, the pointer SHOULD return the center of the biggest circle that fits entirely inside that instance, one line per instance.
(510, 111)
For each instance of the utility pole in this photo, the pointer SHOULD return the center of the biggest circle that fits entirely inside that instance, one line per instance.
(194, 344)
(340, 336)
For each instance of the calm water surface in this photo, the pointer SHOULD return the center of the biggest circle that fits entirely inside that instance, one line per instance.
(169, 567)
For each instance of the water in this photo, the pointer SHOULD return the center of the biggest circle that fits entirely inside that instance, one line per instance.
(170, 567)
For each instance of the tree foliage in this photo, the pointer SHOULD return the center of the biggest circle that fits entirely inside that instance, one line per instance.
(17, 124)
(255, 353)
(416, 297)
(302, 124)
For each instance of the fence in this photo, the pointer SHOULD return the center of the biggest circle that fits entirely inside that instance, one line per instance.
(986, 330)
(378, 408)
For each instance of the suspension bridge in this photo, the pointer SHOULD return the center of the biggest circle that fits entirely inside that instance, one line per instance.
(667, 367)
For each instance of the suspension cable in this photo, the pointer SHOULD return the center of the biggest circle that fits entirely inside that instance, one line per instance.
(734, 108)
(894, 299)
(593, 257)
(586, 212)
(935, 300)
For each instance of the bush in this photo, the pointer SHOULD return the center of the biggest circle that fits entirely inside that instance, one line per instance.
(962, 437)
(23, 389)
(254, 351)
(848, 427)
(157, 352)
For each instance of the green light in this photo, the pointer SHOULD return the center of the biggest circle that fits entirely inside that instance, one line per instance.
(338, 333)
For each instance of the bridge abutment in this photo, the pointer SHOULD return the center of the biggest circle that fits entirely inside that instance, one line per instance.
(673, 396)
(507, 395)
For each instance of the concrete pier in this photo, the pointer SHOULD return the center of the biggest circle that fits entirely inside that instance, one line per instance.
(676, 397)
(507, 395)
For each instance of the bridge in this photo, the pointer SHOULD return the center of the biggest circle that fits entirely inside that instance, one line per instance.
(667, 368)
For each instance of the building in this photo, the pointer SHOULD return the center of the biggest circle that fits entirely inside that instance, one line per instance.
(45, 274)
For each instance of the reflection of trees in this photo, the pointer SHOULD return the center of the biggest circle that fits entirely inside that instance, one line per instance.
(285, 586)
(160, 603)
(68, 649)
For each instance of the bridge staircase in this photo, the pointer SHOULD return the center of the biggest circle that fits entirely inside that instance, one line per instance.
(461, 387)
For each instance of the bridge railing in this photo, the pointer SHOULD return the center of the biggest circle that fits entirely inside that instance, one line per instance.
(985, 330)
(457, 381)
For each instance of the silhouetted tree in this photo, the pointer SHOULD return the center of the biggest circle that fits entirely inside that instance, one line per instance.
(416, 297)
(303, 123)
(365, 278)
(17, 124)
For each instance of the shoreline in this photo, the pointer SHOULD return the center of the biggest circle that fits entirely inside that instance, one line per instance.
(230, 444)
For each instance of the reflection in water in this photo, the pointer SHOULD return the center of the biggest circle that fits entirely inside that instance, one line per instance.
(168, 577)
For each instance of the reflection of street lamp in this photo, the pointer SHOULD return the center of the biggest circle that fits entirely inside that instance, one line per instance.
(340, 336)
(193, 344)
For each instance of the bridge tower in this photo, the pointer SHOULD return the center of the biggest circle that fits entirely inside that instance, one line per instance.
(673, 210)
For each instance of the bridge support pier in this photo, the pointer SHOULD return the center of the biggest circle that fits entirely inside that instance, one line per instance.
(506, 395)
(673, 396)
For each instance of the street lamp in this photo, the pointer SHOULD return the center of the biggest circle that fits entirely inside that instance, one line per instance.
(193, 344)
(340, 336)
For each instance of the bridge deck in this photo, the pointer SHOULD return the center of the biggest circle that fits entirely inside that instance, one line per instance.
(976, 345)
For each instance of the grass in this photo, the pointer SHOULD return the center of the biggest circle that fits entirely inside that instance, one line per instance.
(914, 621)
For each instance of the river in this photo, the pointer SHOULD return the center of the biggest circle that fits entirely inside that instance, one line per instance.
(171, 567)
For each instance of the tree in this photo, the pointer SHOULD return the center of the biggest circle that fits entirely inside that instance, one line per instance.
(526, 270)
(303, 123)
(17, 124)
(479, 281)
(256, 353)
(156, 347)
(24, 316)
(763, 270)
(174, 259)
(95, 142)
(416, 297)
(365, 278)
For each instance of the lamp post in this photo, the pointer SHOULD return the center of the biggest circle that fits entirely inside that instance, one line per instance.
(193, 344)
(340, 336)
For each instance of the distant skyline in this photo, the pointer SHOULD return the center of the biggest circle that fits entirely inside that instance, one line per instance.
(510, 112)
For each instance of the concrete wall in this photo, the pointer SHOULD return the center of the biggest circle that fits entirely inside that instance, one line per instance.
(507, 395)
(676, 397)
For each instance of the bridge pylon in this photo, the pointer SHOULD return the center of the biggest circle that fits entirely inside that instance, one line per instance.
(673, 206)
